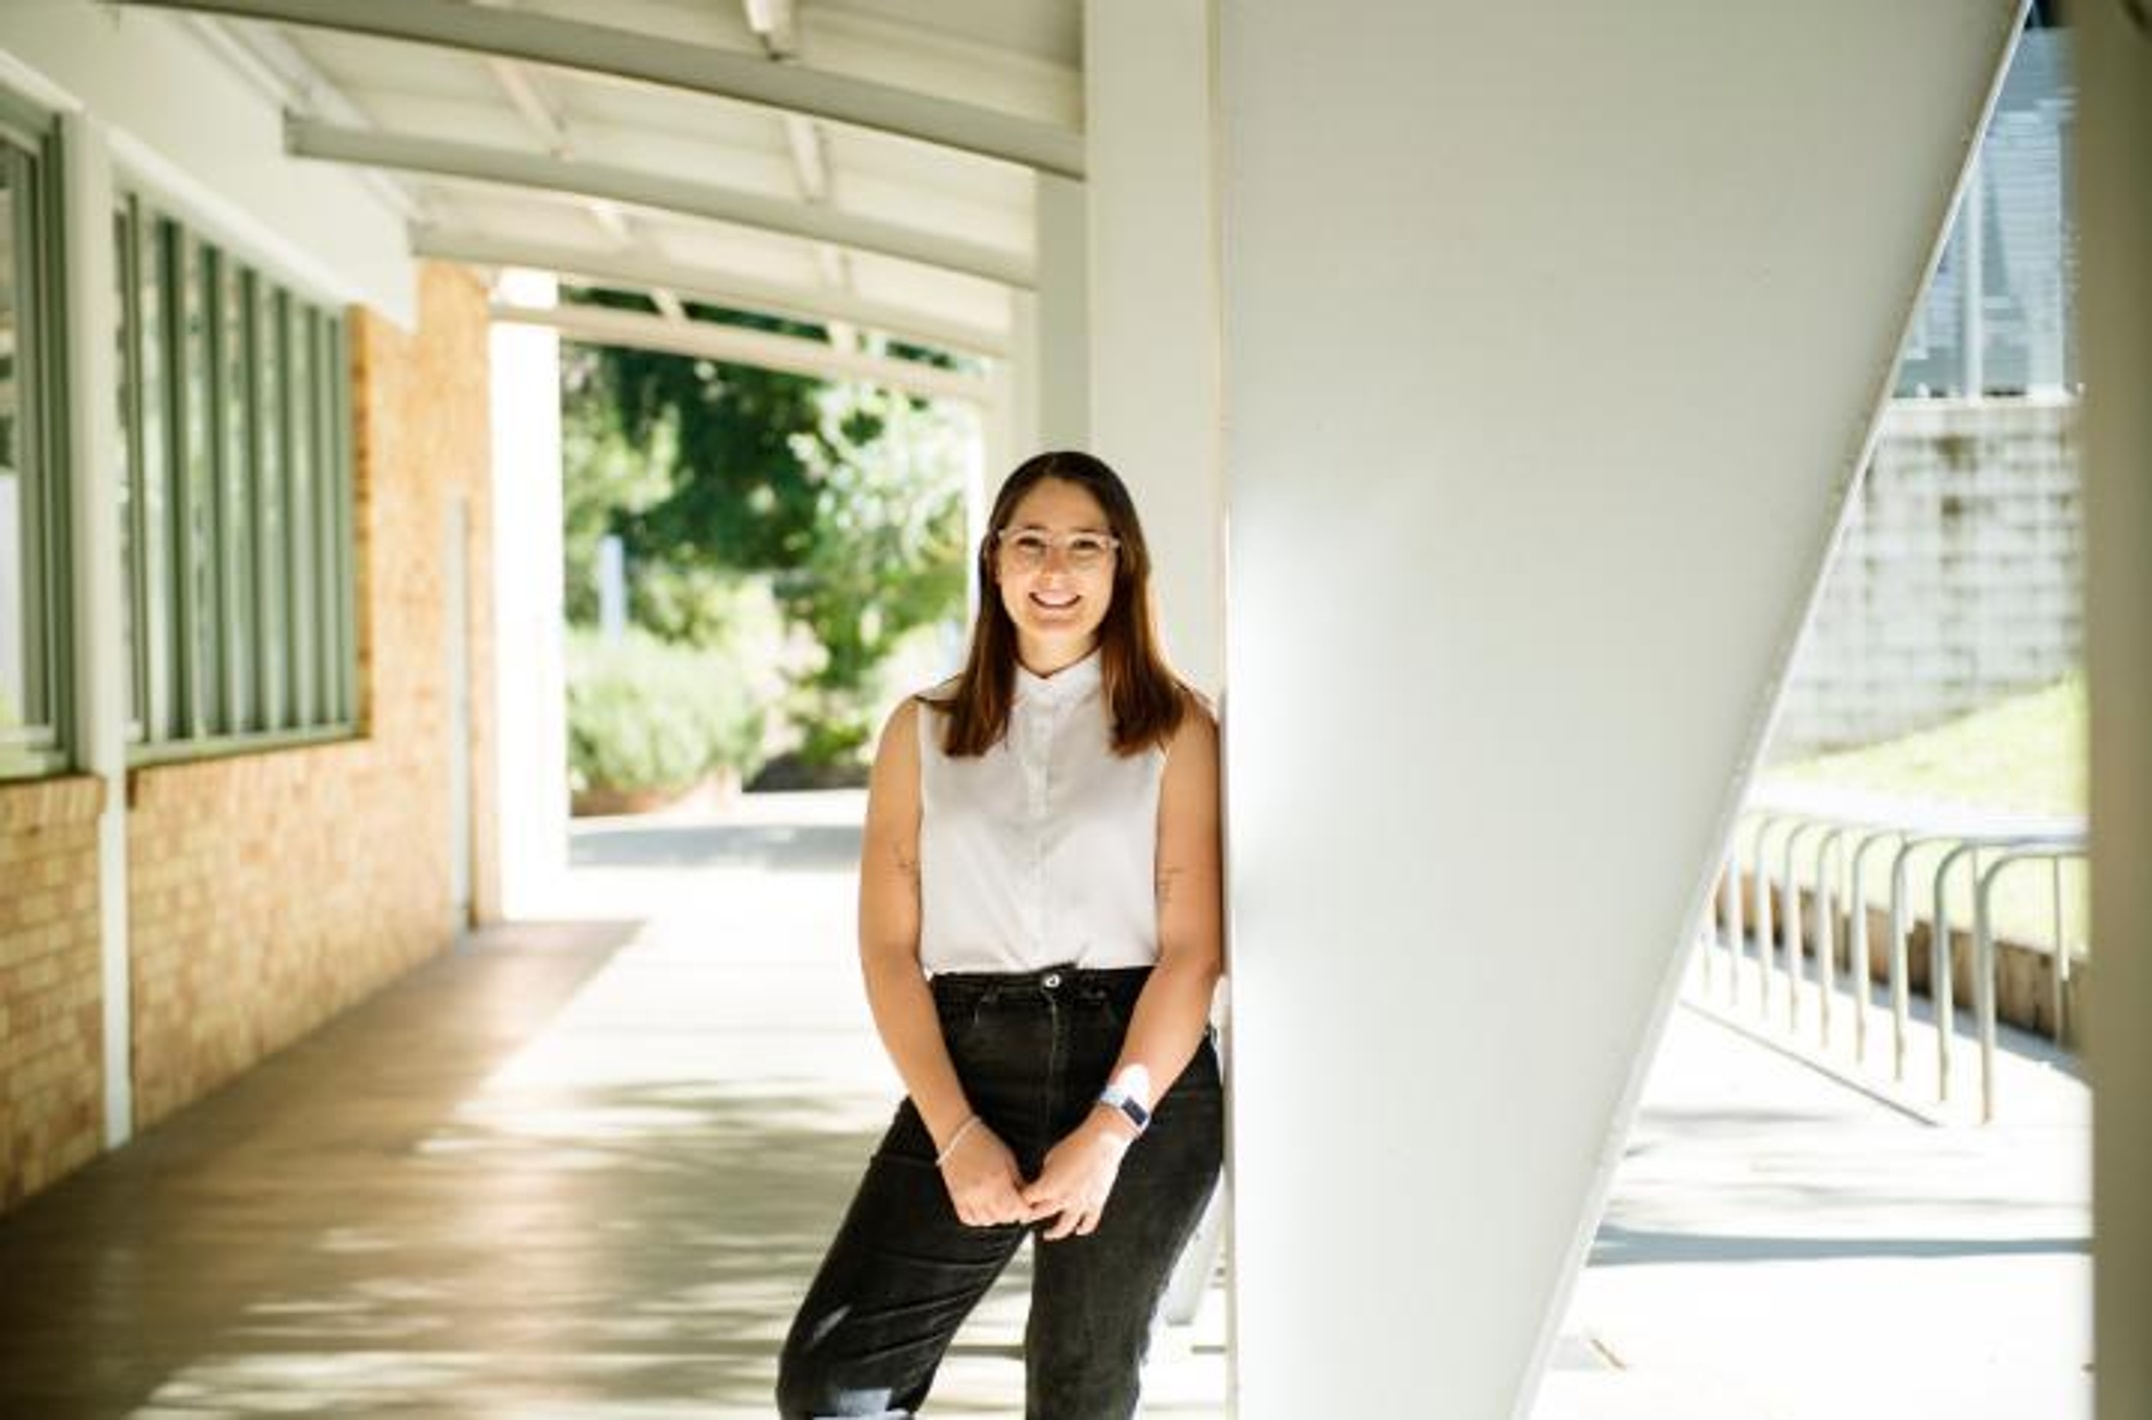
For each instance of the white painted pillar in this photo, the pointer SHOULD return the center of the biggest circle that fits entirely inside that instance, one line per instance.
(530, 691)
(91, 319)
(1554, 337)
(1054, 329)
(1154, 300)
(2114, 308)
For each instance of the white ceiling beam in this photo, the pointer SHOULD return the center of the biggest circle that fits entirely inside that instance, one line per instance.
(671, 63)
(642, 272)
(602, 325)
(307, 138)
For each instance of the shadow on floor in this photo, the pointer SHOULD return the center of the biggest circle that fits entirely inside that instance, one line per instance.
(392, 1215)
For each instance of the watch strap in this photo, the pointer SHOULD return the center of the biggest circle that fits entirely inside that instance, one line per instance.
(1115, 1097)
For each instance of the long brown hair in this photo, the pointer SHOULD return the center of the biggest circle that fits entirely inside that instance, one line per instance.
(1144, 693)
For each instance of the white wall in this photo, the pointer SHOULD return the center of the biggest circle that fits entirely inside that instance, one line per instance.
(180, 118)
(1553, 335)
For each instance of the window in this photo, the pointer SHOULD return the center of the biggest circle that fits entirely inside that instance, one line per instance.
(35, 691)
(237, 492)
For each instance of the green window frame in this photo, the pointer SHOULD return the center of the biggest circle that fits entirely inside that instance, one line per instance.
(36, 621)
(239, 497)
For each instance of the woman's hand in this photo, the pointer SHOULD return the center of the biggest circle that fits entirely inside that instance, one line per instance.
(1078, 1174)
(983, 1179)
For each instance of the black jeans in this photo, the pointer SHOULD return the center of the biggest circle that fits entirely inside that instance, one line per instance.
(1033, 1050)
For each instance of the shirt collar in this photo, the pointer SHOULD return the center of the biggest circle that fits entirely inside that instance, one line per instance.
(1064, 687)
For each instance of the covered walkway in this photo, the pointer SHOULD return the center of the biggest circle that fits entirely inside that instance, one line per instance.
(585, 1169)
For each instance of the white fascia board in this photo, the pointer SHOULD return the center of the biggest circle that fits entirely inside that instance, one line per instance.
(200, 140)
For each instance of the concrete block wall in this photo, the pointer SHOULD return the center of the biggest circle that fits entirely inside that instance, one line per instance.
(51, 997)
(269, 891)
(1960, 578)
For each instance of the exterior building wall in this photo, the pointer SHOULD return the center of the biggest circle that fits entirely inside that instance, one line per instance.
(269, 891)
(51, 1031)
(1960, 578)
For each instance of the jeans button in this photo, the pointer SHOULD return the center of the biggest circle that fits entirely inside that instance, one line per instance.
(1053, 979)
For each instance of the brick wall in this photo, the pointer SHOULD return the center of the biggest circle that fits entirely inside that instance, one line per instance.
(271, 891)
(51, 1001)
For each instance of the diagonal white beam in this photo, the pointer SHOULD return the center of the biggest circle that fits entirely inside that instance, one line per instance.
(705, 69)
(604, 326)
(537, 110)
(627, 268)
(307, 138)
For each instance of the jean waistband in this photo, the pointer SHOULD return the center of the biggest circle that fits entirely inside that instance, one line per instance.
(1065, 979)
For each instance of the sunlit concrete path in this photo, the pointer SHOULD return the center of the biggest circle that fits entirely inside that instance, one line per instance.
(1785, 1243)
(586, 1168)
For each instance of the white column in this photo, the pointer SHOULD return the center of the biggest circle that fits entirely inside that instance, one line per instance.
(530, 691)
(1555, 334)
(2115, 334)
(1058, 323)
(100, 587)
(1154, 300)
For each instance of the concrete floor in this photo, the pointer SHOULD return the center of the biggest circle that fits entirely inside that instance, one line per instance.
(585, 1169)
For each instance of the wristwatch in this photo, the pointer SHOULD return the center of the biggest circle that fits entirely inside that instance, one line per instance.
(1115, 1097)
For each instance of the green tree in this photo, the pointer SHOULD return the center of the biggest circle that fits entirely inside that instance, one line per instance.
(848, 497)
(888, 555)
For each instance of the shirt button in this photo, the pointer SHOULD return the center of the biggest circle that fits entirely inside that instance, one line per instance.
(1053, 979)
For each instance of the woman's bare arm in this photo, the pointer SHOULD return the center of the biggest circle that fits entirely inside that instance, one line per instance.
(1174, 1009)
(889, 917)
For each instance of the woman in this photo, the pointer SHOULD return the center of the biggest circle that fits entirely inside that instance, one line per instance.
(1039, 921)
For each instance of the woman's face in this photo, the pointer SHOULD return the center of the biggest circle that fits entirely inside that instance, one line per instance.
(1057, 605)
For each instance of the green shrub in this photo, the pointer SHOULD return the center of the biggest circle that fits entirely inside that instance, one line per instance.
(647, 715)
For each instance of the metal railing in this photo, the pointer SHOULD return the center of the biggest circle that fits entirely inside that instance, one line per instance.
(1848, 830)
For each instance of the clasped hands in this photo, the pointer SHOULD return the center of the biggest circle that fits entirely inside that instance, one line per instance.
(987, 1187)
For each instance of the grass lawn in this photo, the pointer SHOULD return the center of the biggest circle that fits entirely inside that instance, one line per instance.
(2023, 754)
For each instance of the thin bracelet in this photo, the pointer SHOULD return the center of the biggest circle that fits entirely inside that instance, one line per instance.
(954, 1140)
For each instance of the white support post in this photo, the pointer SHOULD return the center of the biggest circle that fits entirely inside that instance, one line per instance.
(1154, 301)
(2114, 55)
(1496, 283)
(529, 641)
(1059, 323)
(91, 320)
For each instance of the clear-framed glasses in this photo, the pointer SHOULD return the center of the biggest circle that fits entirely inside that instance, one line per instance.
(1027, 547)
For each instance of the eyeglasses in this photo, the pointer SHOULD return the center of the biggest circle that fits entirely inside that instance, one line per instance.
(1027, 547)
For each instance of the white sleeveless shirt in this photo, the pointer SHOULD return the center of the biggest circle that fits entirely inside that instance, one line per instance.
(1042, 850)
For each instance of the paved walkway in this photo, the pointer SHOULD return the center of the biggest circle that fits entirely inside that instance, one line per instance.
(585, 1170)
